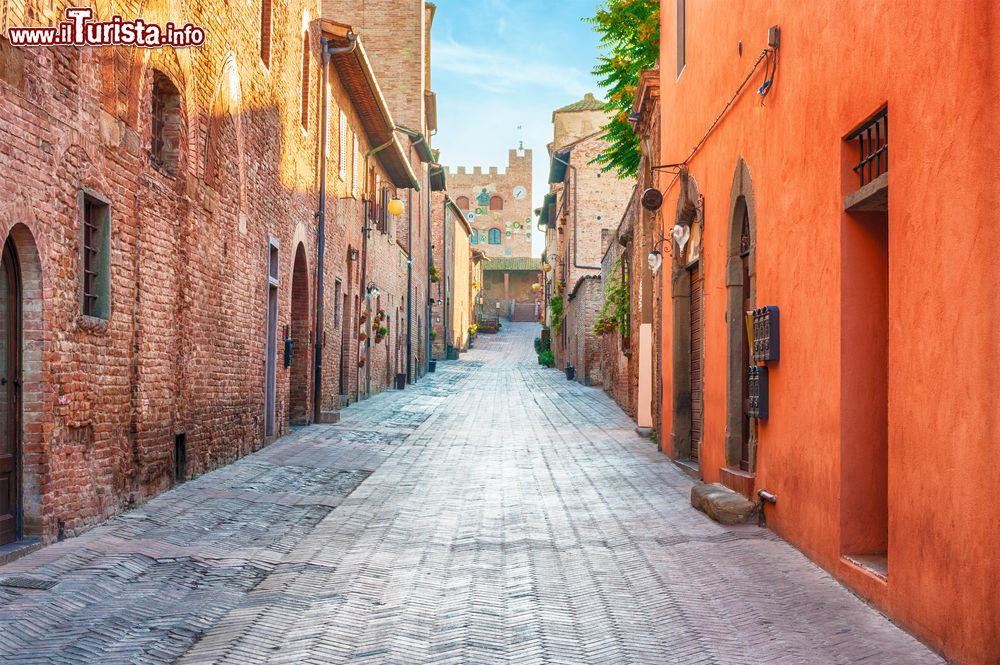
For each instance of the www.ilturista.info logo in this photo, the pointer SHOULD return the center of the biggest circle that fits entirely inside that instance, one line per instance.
(80, 30)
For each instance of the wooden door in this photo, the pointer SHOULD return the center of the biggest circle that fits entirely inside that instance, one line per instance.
(10, 384)
(697, 367)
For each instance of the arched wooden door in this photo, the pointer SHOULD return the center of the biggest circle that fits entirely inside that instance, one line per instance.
(10, 407)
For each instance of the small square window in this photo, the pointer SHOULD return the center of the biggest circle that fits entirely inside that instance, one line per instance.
(95, 251)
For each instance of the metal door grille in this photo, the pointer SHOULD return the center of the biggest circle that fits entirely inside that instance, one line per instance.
(697, 360)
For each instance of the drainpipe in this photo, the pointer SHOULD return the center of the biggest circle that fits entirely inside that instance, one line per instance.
(575, 210)
(409, 277)
(415, 138)
(444, 275)
(430, 309)
(328, 52)
(365, 230)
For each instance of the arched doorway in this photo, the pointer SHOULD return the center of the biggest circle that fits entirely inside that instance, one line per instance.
(299, 332)
(11, 513)
(688, 290)
(741, 294)
(22, 400)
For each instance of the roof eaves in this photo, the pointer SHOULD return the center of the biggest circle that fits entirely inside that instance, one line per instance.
(359, 80)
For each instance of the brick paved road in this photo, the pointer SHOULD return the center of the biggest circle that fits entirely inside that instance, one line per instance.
(509, 516)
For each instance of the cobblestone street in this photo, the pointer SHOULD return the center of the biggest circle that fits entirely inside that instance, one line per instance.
(493, 513)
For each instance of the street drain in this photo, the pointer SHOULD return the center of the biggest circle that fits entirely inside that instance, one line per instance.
(24, 582)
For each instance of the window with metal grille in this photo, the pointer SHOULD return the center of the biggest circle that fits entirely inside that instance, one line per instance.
(166, 124)
(305, 81)
(873, 148)
(95, 247)
(265, 32)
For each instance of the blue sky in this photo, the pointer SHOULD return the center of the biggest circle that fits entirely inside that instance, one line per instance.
(502, 64)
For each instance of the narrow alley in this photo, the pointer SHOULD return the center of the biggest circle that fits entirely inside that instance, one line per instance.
(494, 513)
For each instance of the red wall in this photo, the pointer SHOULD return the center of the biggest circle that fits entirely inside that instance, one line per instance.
(935, 66)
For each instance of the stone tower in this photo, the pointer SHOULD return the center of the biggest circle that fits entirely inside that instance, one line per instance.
(497, 205)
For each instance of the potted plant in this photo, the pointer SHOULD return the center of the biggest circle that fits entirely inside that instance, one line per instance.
(435, 275)
(432, 335)
(362, 336)
(380, 334)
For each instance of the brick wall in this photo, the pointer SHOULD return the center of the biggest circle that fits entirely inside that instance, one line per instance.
(583, 347)
(619, 371)
(183, 349)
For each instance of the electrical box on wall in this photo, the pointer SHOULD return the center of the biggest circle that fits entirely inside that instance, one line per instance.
(758, 392)
(766, 334)
(774, 36)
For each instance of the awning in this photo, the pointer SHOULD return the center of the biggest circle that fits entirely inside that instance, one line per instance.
(438, 178)
(547, 203)
(560, 162)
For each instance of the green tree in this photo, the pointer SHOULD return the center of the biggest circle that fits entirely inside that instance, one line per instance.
(630, 36)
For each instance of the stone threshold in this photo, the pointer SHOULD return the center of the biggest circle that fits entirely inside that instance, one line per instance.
(19, 548)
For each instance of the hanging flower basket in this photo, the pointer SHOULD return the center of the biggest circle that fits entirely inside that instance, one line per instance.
(361, 363)
(362, 337)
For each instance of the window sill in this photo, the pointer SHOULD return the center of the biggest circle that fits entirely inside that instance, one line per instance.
(91, 324)
(873, 197)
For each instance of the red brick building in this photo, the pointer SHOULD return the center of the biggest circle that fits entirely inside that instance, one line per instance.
(161, 216)
(397, 38)
(582, 203)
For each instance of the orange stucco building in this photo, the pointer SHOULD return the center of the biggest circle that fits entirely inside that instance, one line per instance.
(881, 432)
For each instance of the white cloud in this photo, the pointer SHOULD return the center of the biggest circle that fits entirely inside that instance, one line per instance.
(498, 71)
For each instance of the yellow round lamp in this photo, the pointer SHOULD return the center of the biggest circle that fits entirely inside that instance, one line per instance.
(536, 286)
(396, 207)
(546, 267)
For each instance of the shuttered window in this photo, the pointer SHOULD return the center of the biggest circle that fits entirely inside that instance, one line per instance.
(342, 147)
(305, 81)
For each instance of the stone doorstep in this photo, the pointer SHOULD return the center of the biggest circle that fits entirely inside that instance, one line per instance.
(14, 551)
(723, 504)
(328, 418)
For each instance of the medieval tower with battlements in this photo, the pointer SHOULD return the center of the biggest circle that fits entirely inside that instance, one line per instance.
(497, 205)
